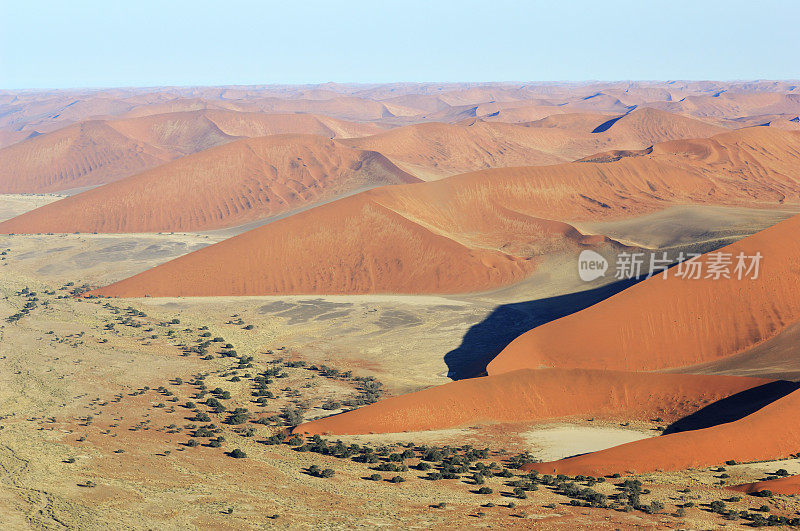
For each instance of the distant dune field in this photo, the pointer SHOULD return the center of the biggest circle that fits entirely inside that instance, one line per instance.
(473, 231)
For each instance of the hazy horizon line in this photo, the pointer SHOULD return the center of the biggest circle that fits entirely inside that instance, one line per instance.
(379, 83)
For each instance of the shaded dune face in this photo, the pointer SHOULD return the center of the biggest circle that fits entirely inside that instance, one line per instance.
(789, 486)
(674, 322)
(528, 395)
(465, 233)
(770, 433)
(232, 184)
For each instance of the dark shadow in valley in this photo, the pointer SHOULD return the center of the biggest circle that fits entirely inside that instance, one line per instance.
(734, 407)
(485, 340)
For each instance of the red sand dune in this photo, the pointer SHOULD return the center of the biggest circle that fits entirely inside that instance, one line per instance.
(343, 107)
(770, 433)
(403, 103)
(528, 395)
(80, 155)
(228, 185)
(729, 105)
(363, 248)
(433, 150)
(249, 124)
(8, 138)
(674, 322)
(578, 135)
(789, 485)
(473, 231)
(98, 152)
(437, 149)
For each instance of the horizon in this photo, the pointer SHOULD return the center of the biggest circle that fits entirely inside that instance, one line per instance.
(401, 82)
(181, 44)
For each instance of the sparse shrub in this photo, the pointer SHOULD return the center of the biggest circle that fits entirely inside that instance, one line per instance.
(717, 506)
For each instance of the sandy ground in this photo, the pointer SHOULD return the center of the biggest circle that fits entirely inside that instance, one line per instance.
(558, 441)
(12, 205)
(691, 227)
(80, 381)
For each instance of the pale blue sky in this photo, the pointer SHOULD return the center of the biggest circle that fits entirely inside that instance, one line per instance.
(75, 43)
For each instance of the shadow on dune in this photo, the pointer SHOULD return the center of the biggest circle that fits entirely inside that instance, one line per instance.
(734, 407)
(485, 340)
(605, 126)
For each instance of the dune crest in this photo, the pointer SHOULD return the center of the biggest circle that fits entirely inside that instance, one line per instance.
(228, 185)
(674, 322)
(468, 232)
(102, 151)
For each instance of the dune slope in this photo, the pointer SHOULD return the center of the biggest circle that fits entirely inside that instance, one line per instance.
(675, 322)
(789, 485)
(472, 231)
(431, 150)
(528, 395)
(84, 154)
(228, 185)
(770, 433)
(99, 152)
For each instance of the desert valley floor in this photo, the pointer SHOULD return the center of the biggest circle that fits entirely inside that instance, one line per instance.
(197, 289)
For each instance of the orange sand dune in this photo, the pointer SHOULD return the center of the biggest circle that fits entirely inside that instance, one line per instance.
(584, 134)
(250, 124)
(579, 134)
(674, 322)
(442, 149)
(353, 245)
(528, 395)
(472, 231)
(784, 123)
(770, 433)
(647, 126)
(730, 105)
(402, 103)
(83, 154)
(228, 185)
(180, 132)
(99, 152)
(342, 107)
(789, 485)
(12, 137)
